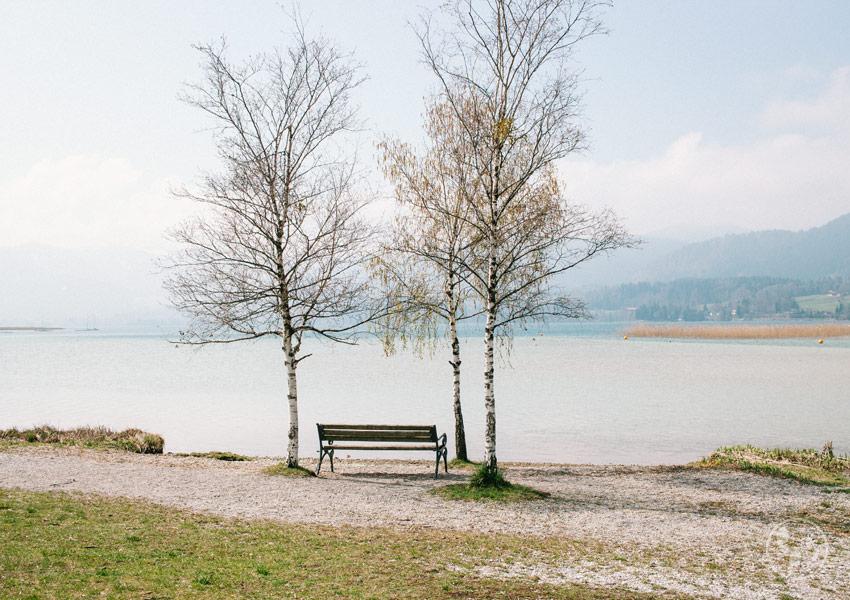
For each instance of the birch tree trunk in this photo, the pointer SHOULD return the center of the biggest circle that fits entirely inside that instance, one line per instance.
(489, 395)
(460, 431)
(292, 397)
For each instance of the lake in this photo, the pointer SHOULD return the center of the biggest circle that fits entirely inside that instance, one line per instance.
(579, 393)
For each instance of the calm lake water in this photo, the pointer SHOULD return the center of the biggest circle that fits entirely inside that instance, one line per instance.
(579, 393)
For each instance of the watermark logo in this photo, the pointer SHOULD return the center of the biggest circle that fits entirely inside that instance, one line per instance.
(796, 547)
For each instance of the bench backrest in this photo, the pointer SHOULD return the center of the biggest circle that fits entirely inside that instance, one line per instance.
(378, 433)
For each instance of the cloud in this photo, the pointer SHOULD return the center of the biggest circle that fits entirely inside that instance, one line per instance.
(828, 112)
(794, 177)
(87, 201)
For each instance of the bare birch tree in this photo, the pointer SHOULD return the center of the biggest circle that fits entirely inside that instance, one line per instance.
(429, 244)
(504, 69)
(278, 250)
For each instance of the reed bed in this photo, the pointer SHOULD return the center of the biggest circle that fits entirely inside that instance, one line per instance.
(719, 332)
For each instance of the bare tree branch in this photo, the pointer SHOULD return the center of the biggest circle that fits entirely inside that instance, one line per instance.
(280, 247)
(504, 71)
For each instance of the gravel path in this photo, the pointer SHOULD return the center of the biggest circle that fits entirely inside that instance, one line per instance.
(712, 533)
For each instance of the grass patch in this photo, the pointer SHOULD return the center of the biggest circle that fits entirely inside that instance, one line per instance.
(487, 478)
(806, 466)
(488, 485)
(99, 438)
(464, 491)
(754, 332)
(281, 470)
(72, 546)
(457, 463)
(226, 456)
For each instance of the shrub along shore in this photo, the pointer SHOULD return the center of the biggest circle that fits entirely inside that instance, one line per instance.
(818, 467)
(141, 442)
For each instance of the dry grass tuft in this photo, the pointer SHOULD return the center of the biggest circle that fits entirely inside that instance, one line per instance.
(130, 440)
(806, 465)
(218, 455)
(281, 470)
(755, 332)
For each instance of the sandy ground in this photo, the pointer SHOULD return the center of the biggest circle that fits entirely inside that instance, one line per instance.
(709, 533)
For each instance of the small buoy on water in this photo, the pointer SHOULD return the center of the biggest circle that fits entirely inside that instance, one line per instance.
(820, 341)
(540, 334)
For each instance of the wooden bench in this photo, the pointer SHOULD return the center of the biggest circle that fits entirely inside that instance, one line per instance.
(381, 437)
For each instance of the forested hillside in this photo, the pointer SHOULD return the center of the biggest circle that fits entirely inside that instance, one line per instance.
(727, 298)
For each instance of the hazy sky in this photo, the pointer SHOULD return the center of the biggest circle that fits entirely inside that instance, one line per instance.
(705, 117)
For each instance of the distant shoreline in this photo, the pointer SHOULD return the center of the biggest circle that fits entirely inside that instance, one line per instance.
(31, 328)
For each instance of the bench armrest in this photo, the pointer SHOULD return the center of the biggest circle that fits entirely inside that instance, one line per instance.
(441, 442)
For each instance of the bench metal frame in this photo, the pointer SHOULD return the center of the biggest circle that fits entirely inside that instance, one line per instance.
(385, 437)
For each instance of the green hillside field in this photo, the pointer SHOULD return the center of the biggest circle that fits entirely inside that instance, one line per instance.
(818, 303)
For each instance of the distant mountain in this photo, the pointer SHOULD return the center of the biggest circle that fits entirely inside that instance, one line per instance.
(620, 266)
(802, 255)
(759, 274)
(119, 287)
(79, 288)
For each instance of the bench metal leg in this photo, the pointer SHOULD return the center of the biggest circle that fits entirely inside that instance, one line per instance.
(323, 452)
(441, 453)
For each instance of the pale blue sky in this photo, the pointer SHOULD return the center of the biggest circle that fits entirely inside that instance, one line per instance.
(705, 116)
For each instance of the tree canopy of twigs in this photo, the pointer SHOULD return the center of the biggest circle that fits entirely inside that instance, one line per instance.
(505, 70)
(422, 266)
(278, 247)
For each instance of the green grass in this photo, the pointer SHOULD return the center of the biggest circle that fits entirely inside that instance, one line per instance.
(98, 438)
(806, 466)
(818, 303)
(72, 546)
(457, 463)
(463, 491)
(281, 470)
(488, 485)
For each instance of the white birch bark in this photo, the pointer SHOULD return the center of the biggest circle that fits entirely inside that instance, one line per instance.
(292, 397)
(460, 431)
(489, 367)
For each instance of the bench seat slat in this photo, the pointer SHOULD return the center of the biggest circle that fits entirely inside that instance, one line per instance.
(379, 427)
(371, 437)
(383, 447)
(411, 433)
